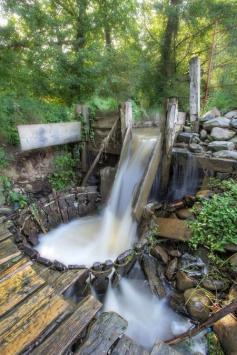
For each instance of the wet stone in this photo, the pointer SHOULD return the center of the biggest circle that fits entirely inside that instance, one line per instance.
(171, 269)
(215, 285)
(192, 265)
(59, 266)
(184, 282)
(185, 213)
(75, 267)
(44, 261)
(198, 302)
(159, 253)
(175, 253)
(32, 253)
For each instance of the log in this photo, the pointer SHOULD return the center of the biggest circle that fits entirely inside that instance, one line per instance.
(231, 308)
(194, 97)
(103, 334)
(102, 148)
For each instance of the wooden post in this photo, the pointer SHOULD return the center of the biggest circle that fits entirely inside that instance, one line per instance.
(82, 110)
(126, 117)
(169, 138)
(194, 98)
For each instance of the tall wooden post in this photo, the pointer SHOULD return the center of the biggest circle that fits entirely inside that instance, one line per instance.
(126, 117)
(170, 133)
(194, 97)
(82, 110)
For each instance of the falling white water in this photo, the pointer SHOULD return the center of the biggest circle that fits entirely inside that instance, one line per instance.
(90, 239)
(149, 318)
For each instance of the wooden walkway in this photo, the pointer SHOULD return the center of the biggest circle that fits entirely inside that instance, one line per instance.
(35, 317)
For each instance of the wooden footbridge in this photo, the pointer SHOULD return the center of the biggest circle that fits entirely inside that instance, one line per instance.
(36, 318)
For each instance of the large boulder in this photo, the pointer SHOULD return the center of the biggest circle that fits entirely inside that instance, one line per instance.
(226, 154)
(231, 114)
(173, 228)
(221, 122)
(226, 330)
(222, 134)
(211, 114)
(221, 145)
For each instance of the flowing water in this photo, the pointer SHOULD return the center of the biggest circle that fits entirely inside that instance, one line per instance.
(90, 239)
(149, 318)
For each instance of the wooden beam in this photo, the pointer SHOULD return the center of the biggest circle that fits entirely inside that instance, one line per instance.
(126, 117)
(194, 97)
(46, 135)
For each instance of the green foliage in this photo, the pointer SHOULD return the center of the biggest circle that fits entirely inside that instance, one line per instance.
(15, 111)
(102, 104)
(64, 171)
(216, 223)
(3, 158)
(214, 347)
(12, 197)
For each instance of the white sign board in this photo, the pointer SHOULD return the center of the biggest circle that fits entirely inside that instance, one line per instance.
(45, 135)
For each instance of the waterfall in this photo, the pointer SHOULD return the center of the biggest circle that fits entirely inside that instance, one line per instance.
(90, 239)
(186, 175)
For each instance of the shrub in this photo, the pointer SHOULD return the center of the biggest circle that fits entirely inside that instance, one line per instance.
(12, 197)
(64, 171)
(216, 222)
(3, 158)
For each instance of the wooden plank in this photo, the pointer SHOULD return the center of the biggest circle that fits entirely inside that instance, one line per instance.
(14, 266)
(194, 97)
(23, 326)
(69, 331)
(61, 281)
(8, 250)
(127, 346)
(103, 334)
(45, 135)
(16, 286)
(5, 235)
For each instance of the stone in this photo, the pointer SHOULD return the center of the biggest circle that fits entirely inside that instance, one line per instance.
(195, 148)
(233, 123)
(220, 122)
(184, 282)
(221, 145)
(159, 253)
(187, 129)
(32, 253)
(215, 285)
(175, 253)
(204, 194)
(234, 140)
(222, 134)
(185, 213)
(171, 269)
(211, 114)
(198, 302)
(231, 114)
(226, 330)
(5, 210)
(203, 134)
(59, 266)
(192, 265)
(161, 348)
(185, 137)
(172, 228)
(226, 154)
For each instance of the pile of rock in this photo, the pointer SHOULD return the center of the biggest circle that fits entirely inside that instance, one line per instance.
(217, 137)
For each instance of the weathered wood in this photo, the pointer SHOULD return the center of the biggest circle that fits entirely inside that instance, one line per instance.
(14, 266)
(194, 97)
(169, 138)
(231, 308)
(103, 333)
(70, 330)
(102, 148)
(17, 285)
(8, 250)
(61, 281)
(140, 200)
(127, 346)
(126, 117)
(46, 135)
(153, 272)
(29, 320)
(83, 111)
